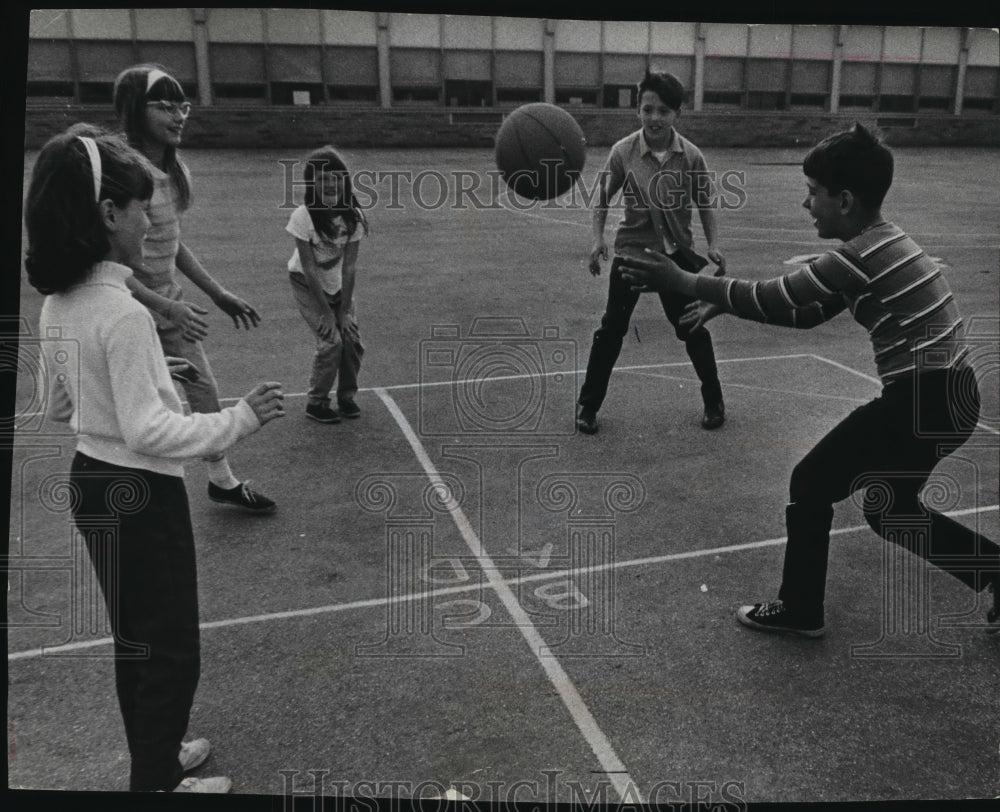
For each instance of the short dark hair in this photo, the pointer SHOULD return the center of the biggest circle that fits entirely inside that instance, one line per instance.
(130, 97)
(665, 85)
(66, 234)
(855, 160)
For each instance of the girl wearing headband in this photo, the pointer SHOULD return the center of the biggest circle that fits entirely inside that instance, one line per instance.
(86, 219)
(152, 110)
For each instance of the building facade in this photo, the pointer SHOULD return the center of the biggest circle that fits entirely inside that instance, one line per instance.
(281, 57)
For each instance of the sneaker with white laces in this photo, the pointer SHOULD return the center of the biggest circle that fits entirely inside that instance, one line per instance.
(775, 617)
(219, 785)
(242, 496)
(993, 613)
(193, 753)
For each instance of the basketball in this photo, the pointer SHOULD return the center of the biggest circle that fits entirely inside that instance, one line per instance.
(540, 151)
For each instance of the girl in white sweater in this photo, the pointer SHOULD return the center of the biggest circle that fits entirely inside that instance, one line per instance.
(86, 220)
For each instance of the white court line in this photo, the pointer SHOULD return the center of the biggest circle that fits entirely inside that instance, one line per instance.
(730, 385)
(979, 425)
(545, 575)
(578, 710)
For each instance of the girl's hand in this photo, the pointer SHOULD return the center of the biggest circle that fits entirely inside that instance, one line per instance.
(716, 256)
(327, 326)
(597, 253)
(651, 271)
(697, 313)
(181, 369)
(237, 309)
(350, 330)
(266, 400)
(188, 317)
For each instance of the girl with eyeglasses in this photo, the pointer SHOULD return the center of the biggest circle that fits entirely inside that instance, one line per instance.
(152, 110)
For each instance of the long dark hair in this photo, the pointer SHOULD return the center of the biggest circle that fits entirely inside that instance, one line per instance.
(327, 159)
(130, 96)
(66, 233)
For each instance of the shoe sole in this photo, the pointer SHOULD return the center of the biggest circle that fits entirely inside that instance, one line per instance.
(324, 420)
(812, 634)
(259, 511)
(350, 416)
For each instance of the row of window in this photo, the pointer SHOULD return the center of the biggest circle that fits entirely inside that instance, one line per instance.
(254, 74)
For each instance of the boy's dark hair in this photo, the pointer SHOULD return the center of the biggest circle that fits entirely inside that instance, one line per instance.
(66, 234)
(855, 160)
(327, 159)
(130, 97)
(665, 85)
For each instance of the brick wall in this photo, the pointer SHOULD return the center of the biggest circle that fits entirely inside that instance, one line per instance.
(282, 127)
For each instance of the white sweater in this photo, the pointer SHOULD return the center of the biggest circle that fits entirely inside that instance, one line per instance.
(106, 373)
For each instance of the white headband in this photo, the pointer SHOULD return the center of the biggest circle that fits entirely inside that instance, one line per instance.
(95, 163)
(153, 77)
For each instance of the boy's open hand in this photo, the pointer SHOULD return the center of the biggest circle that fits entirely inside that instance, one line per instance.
(597, 253)
(716, 256)
(239, 310)
(652, 271)
(697, 313)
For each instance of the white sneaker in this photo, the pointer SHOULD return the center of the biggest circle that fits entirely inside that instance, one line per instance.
(218, 786)
(193, 753)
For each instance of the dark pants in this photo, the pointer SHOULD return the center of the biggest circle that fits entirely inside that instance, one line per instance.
(137, 528)
(888, 447)
(614, 325)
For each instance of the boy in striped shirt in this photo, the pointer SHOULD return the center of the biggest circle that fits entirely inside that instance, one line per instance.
(929, 405)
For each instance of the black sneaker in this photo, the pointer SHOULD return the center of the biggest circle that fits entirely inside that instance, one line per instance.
(993, 613)
(714, 416)
(348, 408)
(586, 421)
(242, 496)
(322, 413)
(774, 617)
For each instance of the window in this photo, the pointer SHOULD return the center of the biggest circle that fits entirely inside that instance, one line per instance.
(416, 95)
(620, 96)
(576, 96)
(766, 100)
(49, 91)
(468, 93)
(296, 93)
(238, 74)
(517, 95)
(352, 94)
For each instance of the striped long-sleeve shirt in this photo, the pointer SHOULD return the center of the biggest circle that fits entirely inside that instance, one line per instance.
(892, 288)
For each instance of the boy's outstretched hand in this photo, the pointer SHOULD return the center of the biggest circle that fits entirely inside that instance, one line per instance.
(697, 313)
(654, 271)
(717, 257)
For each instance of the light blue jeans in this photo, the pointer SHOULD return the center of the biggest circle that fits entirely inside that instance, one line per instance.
(336, 361)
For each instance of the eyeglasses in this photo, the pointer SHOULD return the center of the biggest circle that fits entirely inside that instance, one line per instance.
(171, 108)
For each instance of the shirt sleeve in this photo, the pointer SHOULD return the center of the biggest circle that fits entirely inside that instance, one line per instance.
(804, 298)
(138, 374)
(300, 224)
(613, 172)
